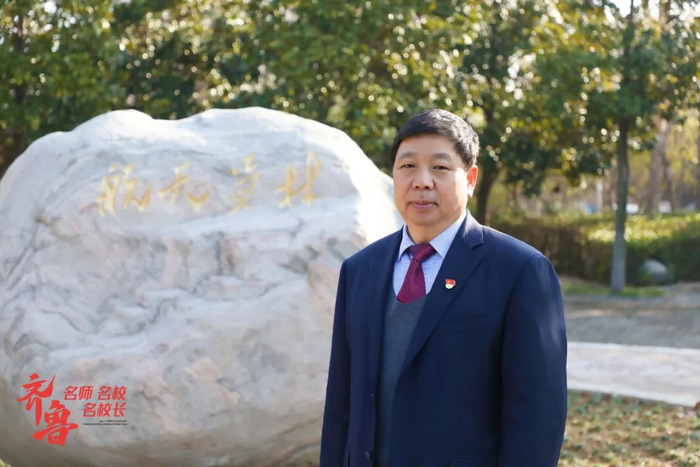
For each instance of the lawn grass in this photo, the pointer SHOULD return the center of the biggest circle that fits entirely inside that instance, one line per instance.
(604, 291)
(604, 430)
(576, 286)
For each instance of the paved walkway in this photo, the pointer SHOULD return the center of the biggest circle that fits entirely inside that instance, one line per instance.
(647, 348)
(658, 373)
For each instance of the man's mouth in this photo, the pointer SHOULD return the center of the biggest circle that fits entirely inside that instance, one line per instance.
(423, 204)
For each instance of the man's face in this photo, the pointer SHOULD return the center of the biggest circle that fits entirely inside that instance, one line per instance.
(431, 185)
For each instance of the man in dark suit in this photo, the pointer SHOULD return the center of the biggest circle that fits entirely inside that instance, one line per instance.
(449, 346)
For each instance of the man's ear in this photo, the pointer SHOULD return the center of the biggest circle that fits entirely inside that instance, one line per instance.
(472, 174)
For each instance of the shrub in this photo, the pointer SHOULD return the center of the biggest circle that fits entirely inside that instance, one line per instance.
(582, 246)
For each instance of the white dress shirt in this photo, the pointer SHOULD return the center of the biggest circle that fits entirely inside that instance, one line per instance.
(431, 266)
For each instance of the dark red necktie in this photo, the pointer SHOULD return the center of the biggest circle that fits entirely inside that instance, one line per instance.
(413, 286)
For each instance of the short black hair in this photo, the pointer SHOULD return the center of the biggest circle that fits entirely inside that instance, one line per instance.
(444, 123)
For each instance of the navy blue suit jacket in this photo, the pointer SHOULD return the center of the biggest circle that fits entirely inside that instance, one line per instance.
(483, 382)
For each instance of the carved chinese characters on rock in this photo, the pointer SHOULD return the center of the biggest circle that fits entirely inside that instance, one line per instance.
(313, 169)
(120, 181)
(245, 184)
(173, 190)
(110, 187)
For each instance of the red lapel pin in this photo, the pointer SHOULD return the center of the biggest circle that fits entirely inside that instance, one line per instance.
(449, 283)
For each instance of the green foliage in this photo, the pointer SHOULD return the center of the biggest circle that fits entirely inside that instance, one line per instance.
(180, 57)
(623, 88)
(582, 246)
(57, 69)
(635, 66)
(504, 50)
(363, 67)
(64, 64)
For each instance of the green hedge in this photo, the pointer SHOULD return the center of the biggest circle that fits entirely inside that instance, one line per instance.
(582, 246)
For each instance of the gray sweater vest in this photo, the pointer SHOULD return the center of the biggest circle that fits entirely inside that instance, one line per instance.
(399, 323)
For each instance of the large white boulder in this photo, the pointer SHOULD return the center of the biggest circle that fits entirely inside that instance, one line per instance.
(192, 262)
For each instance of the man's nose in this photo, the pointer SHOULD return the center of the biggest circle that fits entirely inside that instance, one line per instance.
(423, 179)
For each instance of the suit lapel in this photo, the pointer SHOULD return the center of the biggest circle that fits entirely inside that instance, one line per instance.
(459, 264)
(382, 268)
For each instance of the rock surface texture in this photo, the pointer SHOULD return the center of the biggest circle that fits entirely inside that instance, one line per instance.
(185, 271)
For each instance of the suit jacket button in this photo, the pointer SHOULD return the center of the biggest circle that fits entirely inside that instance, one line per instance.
(371, 395)
(368, 455)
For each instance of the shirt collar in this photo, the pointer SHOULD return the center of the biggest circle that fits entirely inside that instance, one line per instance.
(441, 242)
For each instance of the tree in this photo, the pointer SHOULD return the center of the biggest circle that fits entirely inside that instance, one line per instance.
(644, 68)
(57, 67)
(180, 57)
(495, 42)
(65, 62)
(509, 61)
(360, 66)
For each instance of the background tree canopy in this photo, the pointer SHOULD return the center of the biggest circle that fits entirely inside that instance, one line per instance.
(552, 87)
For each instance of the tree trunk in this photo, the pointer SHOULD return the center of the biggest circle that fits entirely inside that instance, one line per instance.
(668, 180)
(697, 179)
(513, 202)
(488, 170)
(599, 195)
(619, 260)
(610, 190)
(488, 178)
(617, 279)
(15, 145)
(656, 169)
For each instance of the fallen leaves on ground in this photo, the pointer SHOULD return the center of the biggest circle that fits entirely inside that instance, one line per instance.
(605, 430)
